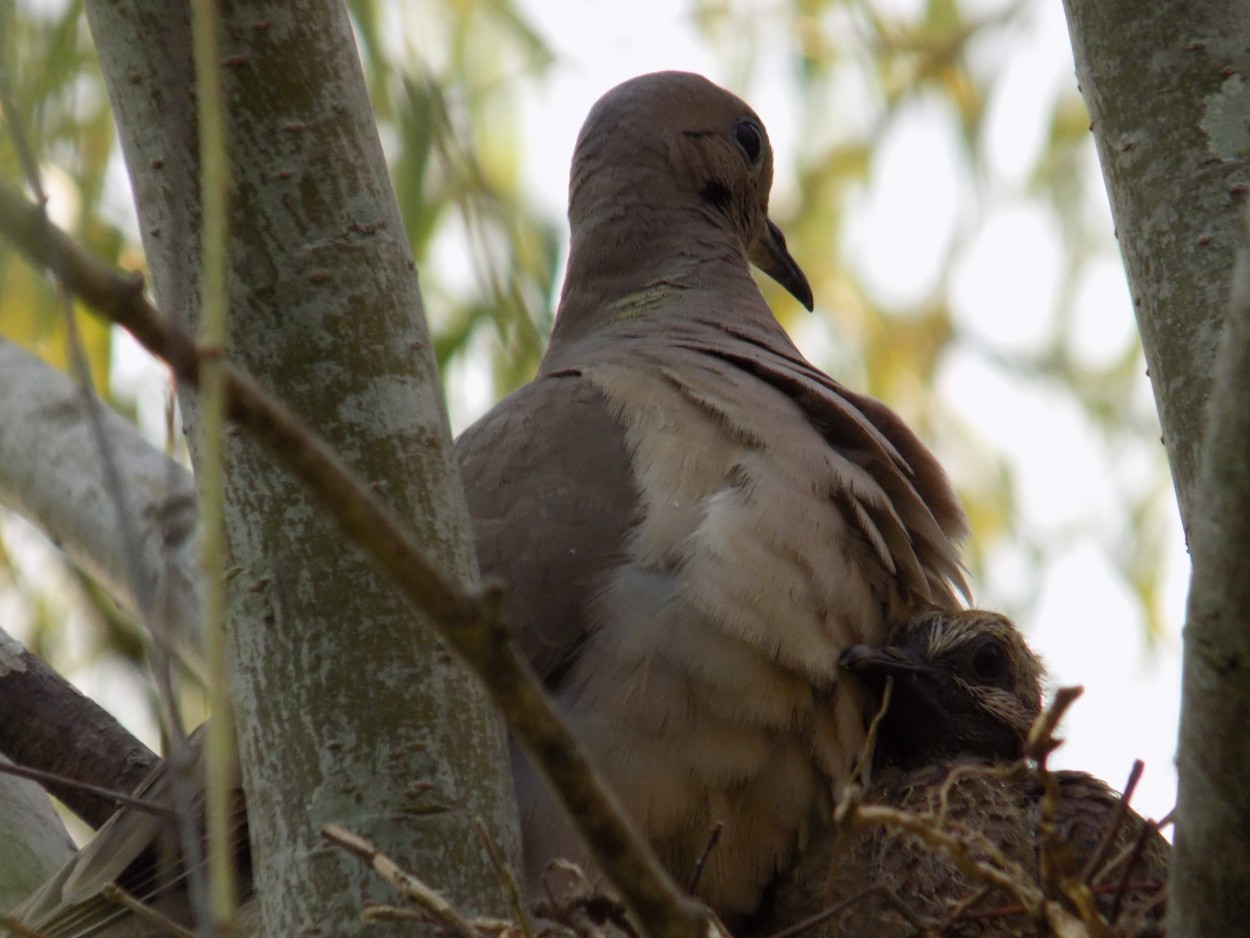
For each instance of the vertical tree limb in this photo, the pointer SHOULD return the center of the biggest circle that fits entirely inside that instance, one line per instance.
(1210, 886)
(348, 708)
(1167, 91)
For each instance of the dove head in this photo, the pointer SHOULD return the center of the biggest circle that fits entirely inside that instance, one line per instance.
(965, 684)
(669, 187)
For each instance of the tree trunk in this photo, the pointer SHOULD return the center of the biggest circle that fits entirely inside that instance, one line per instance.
(1165, 89)
(348, 708)
(1210, 884)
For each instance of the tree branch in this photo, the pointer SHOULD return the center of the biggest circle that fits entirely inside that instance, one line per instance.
(1167, 97)
(48, 725)
(1210, 887)
(47, 475)
(470, 622)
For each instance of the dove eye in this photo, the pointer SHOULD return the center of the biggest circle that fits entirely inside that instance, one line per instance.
(750, 140)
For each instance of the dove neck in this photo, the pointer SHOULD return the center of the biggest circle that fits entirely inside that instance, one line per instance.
(630, 262)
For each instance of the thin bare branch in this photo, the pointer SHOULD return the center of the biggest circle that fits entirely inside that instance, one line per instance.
(436, 908)
(220, 893)
(471, 622)
(50, 780)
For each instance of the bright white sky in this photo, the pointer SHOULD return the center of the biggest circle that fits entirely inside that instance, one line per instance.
(1084, 622)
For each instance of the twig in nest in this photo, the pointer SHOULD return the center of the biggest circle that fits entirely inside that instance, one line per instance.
(847, 808)
(1005, 773)
(998, 871)
(1046, 833)
(863, 766)
(962, 910)
(1114, 823)
(1042, 742)
(966, 914)
(1166, 820)
(1081, 898)
(1129, 852)
(583, 906)
(1062, 923)
(713, 837)
(435, 908)
(846, 812)
(1147, 830)
(145, 913)
(820, 918)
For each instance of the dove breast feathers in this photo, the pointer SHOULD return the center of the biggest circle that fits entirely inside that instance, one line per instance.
(688, 568)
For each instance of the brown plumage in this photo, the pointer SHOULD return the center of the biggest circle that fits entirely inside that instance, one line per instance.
(966, 690)
(676, 474)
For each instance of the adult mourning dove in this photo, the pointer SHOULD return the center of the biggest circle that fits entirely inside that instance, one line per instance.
(966, 690)
(692, 521)
(141, 852)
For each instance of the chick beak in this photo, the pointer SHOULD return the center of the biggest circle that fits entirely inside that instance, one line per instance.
(884, 660)
(770, 255)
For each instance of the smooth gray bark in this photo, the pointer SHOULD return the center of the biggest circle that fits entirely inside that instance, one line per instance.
(1210, 884)
(1167, 94)
(1165, 85)
(348, 708)
(50, 473)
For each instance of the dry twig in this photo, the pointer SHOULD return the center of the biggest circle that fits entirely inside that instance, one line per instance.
(959, 845)
(472, 622)
(820, 918)
(52, 780)
(1062, 904)
(1094, 865)
(430, 906)
(1042, 741)
(713, 838)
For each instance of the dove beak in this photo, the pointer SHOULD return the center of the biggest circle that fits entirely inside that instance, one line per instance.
(770, 255)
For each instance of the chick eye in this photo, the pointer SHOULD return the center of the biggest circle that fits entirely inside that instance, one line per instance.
(749, 137)
(989, 663)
